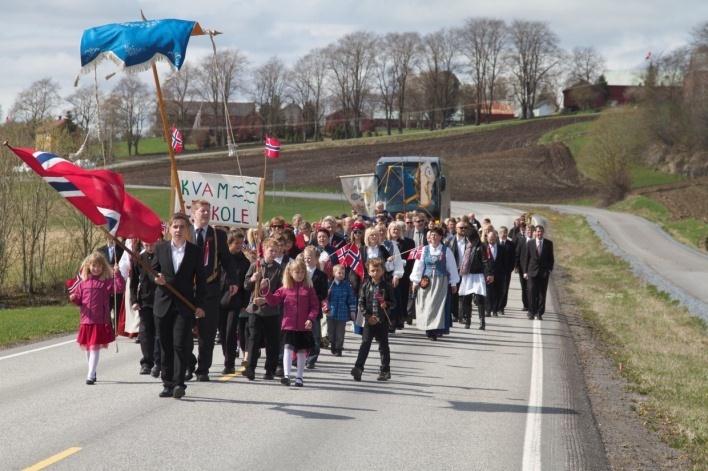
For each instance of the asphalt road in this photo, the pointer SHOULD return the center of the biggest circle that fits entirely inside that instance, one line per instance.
(510, 397)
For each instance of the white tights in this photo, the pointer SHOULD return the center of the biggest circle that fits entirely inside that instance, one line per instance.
(288, 361)
(92, 357)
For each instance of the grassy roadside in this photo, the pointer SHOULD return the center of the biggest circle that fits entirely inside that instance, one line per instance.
(663, 349)
(27, 324)
(690, 231)
(310, 209)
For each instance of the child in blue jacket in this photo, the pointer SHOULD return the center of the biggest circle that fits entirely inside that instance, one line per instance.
(340, 308)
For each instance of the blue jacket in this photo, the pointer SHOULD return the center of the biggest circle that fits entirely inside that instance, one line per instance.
(341, 302)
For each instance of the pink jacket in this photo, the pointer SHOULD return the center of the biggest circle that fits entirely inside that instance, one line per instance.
(93, 295)
(299, 304)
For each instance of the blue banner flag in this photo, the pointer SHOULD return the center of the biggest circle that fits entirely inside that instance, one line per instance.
(136, 45)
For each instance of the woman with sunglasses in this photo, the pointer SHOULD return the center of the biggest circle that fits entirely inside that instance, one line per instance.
(405, 246)
(433, 273)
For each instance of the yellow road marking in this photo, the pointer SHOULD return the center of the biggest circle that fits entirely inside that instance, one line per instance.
(53, 459)
(229, 376)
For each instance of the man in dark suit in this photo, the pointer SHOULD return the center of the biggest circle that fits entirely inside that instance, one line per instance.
(538, 264)
(179, 263)
(420, 231)
(509, 254)
(521, 241)
(495, 289)
(215, 257)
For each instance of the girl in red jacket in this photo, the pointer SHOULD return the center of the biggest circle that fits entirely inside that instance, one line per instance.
(92, 294)
(300, 309)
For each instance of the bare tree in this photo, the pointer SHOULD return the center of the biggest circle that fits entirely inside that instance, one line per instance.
(699, 35)
(351, 62)
(217, 81)
(386, 79)
(33, 213)
(439, 51)
(533, 56)
(306, 88)
(402, 50)
(179, 89)
(133, 104)
(482, 42)
(586, 64)
(36, 103)
(269, 87)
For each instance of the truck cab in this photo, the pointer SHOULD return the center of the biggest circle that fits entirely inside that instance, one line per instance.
(414, 183)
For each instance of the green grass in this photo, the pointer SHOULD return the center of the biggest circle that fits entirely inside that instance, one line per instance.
(663, 350)
(26, 324)
(576, 135)
(690, 231)
(147, 145)
(310, 209)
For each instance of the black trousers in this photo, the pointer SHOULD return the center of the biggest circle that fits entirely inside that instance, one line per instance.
(207, 333)
(264, 330)
(495, 291)
(149, 338)
(481, 303)
(228, 327)
(400, 292)
(243, 333)
(455, 303)
(537, 286)
(505, 295)
(175, 330)
(524, 290)
(380, 333)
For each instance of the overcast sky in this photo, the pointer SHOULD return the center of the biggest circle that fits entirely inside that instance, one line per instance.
(41, 38)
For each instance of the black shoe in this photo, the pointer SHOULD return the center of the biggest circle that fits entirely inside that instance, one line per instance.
(496, 314)
(189, 375)
(481, 327)
(467, 325)
(339, 353)
(202, 378)
(178, 392)
(228, 370)
(285, 381)
(250, 374)
(530, 316)
(155, 371)
(356, 373)
(525, 309)
(487, 315)
(268, 376)
(279, 372)
(299, 383)
(144, 370)
(310, 366)
(383, 376)
(166, 392)
(540, 317)
(90, 381)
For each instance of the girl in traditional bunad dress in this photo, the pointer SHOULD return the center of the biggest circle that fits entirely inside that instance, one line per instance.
(434, 276)
(92, 294)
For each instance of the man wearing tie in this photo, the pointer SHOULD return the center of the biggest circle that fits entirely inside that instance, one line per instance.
(457, 245)
(214, 256)
(538, 264)
(495, 289)
(420, 232)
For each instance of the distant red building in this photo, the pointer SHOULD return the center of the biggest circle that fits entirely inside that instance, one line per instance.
(584, 95)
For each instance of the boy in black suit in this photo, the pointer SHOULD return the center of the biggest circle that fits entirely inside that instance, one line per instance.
(538, 264)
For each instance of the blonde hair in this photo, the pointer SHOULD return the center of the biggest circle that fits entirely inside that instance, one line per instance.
(288, 280)
(369, 231)
(311, 250)
(97, 257)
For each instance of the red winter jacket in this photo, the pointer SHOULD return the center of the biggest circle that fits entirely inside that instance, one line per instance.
(93, 295)
(299, 304)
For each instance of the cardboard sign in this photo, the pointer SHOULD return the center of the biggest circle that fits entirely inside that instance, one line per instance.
(234, 199)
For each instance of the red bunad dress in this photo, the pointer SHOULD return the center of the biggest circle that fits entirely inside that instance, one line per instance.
(95, 330)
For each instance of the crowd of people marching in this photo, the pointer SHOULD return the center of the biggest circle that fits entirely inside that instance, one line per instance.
(292, 288)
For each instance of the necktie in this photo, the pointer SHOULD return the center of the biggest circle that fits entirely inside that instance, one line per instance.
(200, 237)
(538, 247)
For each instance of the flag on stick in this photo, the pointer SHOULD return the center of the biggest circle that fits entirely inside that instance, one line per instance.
(349, 256)
(272, 147)
(177, 142)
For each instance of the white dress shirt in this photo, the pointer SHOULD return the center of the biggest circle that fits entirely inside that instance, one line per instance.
(177, 255)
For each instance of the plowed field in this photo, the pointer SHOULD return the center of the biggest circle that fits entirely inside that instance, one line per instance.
(502, 164)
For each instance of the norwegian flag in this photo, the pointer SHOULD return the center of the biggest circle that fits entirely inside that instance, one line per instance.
(349, 256)
(72, 283)
(272, 147)
(415, 254)
(177, 142)
(648, 56)
(98, 194)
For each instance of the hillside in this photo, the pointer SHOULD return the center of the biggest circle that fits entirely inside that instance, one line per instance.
(499, 164)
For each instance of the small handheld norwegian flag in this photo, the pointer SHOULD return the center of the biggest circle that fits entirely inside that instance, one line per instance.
(72, 283)
(177, 143)
(272, 147)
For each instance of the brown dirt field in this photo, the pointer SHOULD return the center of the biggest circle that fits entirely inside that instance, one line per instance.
(683, 199)
(502, 164)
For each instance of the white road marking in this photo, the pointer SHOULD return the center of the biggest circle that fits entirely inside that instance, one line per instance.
(7, 357)
(532, 439)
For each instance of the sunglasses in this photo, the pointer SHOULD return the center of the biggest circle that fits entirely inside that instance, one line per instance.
(356, 232)
(463, 227)
(409, 222)
(277, 226)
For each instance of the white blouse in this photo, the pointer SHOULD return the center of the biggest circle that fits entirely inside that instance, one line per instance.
(419, 265)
